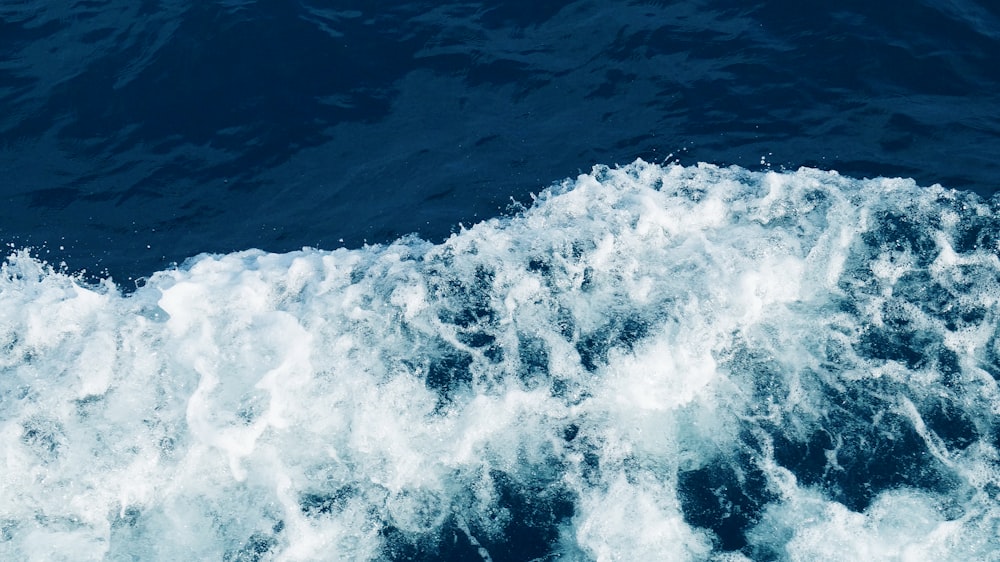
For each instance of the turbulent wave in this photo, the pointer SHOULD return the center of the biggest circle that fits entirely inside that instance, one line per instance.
(649, 363)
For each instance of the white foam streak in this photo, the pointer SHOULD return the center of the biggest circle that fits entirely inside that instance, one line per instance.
(637, 522)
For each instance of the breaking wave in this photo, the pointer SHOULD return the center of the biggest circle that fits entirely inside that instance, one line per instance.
(648, 363)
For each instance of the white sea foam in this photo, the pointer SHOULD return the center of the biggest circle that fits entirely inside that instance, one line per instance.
(669, 363)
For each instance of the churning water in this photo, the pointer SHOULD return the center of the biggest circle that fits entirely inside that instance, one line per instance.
(647, 363)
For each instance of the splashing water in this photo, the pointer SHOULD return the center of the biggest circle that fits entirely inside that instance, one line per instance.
(649, 363)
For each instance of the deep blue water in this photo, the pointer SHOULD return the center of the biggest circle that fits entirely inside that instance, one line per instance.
(397, 333)
(136, 134)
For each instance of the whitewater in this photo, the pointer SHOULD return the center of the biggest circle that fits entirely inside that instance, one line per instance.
(646, 363)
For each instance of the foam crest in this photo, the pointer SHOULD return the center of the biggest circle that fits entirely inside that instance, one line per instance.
(650, 362)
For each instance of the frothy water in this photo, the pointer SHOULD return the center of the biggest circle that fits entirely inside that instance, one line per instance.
(649, 363)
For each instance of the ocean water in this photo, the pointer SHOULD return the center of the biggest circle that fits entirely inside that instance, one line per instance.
(289, 282)
(134, 135)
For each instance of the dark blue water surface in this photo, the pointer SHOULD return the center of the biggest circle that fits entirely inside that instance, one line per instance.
(136, 134)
